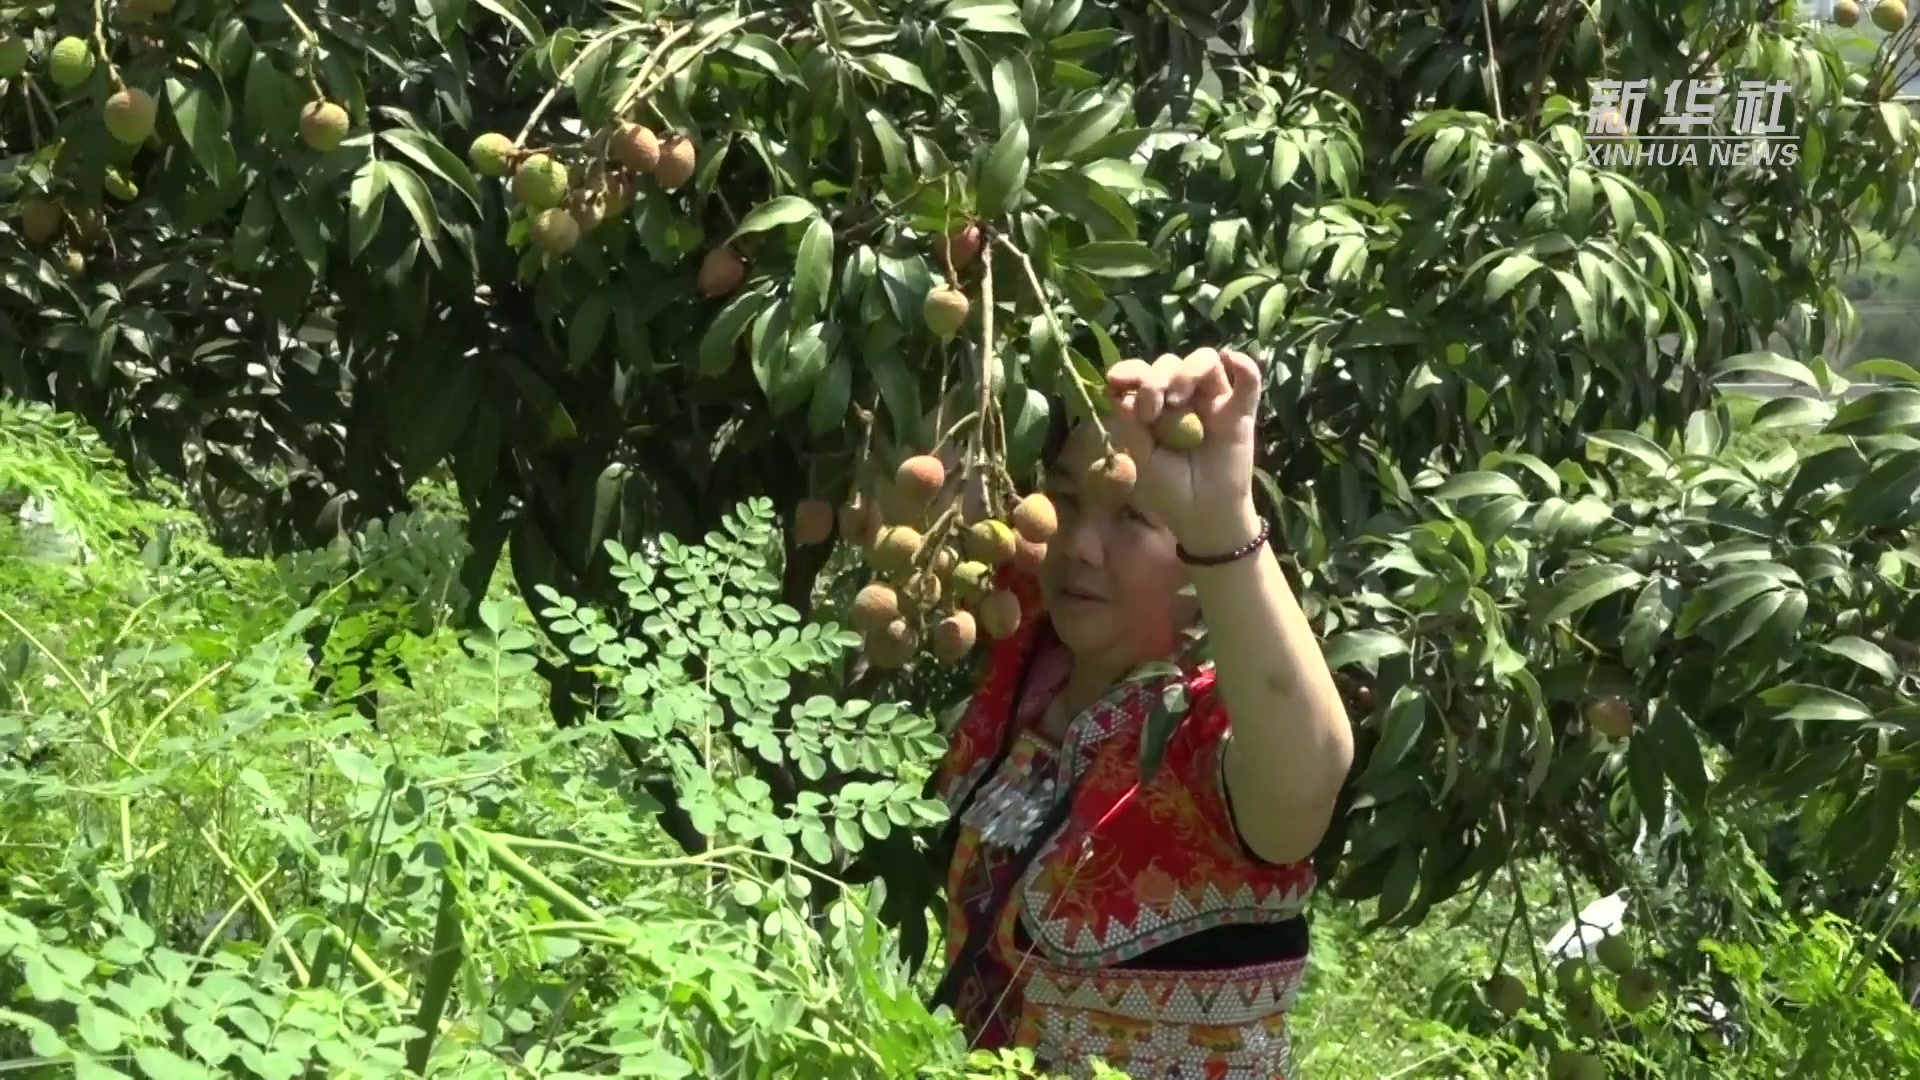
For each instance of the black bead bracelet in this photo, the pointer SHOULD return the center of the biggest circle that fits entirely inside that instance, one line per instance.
(1259, 539)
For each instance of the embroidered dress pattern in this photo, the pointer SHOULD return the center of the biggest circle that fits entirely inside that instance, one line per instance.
(1132, 867)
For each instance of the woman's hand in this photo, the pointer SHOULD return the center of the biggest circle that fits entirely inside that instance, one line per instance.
(1204, 495)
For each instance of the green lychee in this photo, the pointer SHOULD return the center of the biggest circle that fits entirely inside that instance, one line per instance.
(554, 231)
(323, 125)
(945, 311)
(13, 56)
(491, 154)
(70, 63)
(129, 115)
(540, 183)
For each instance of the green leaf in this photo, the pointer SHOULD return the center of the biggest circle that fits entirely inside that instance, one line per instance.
(418, 200)
(1771, 363)
(1112, 259)
(897, 70)
(812, 271)
(1878, 412)
(1015, 92)
(1513, 270)
(718, 344)
(1680, 757)
(428, 153)
(776, 212)
(256, 228)
(1403, 722)
(1802, 701)
(366, 200)
(1580, 590)
(1366, 647)
(1003, 177)
(1649, 783)
(1720, 597)
(1477, 484)
(518, 17)
(1864, 653)
(200, 111)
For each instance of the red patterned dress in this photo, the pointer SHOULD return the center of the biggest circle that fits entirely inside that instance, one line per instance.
(1092, 915)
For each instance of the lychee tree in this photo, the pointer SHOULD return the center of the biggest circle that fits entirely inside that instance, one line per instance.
(612, 271)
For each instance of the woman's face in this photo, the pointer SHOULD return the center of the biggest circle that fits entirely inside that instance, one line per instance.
(1112, 579)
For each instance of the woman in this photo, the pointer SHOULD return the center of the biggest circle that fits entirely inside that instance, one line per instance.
(1153, 924)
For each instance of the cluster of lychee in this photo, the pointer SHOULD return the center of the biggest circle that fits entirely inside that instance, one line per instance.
(562, 211)
(130, 112)
(1637, 989)
(941, 588)
(1889, 15)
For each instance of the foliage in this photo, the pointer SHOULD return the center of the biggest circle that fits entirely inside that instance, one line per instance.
(206, 870)
(1504, 477)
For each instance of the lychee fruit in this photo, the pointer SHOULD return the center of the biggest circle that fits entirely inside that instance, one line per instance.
(129, 114)
(70, 63)
(953, 637)
(1179, 431)
(1574, 1065)
(1610, 715)
(1890, 15)
(999, 614)
(588, 208)
(1573, 976)
(945, 311)
(1109, 481)
(554, 231)
(1028, 556)
(892, 645)
(1505, 994)
(491, 154)
(1615, 953)
(958, 251)
(812, 522)
(897, 550)
(323, 125)
(1639, 989)
(917, 482)
(636, 147)
(943, 563)
(74, 263)
(1846, 13)
(992, 542)
(540, 183)
(676, 164)
(616, 190)
(859, 523)
(922, 591)
(971, 578)
(13, 56)
(1035, 518)
(874, 606)
(721, 272)
(40, 220)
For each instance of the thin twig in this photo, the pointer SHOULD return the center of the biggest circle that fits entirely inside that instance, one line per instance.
(1493, 62)
(1059, 333)
(100, 43)
(565, 78)
(681, 62)
(312, 50)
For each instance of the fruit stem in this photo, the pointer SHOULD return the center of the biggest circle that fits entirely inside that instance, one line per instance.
(644, 87)
(1059, 333)
(100, 45)
(311, 49)
(566, 79)
(982, 444)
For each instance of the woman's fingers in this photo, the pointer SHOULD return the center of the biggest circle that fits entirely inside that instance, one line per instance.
(1203, 383)
(1137, 388)
(1243, 375)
